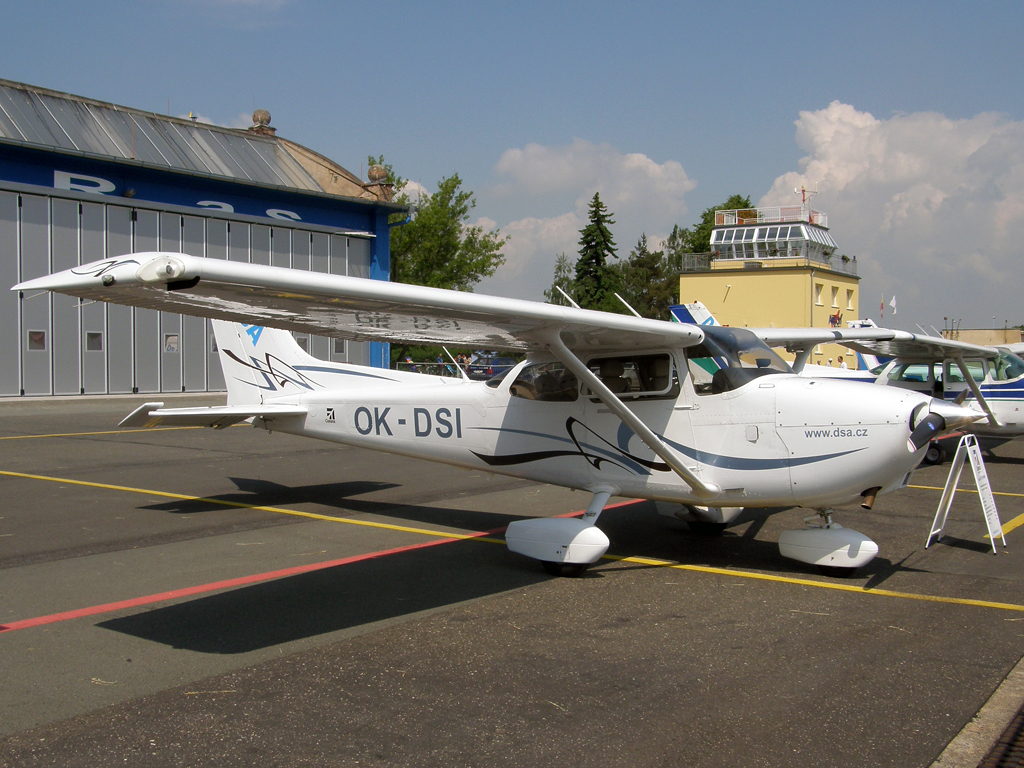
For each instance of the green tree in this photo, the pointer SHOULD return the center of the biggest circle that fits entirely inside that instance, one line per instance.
(647, 281)
(563, 278)
(438, 248)
(595, 280)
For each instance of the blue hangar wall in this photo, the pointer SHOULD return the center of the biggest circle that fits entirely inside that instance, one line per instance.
(58, 210)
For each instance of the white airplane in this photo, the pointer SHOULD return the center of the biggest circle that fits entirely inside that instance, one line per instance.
(709, 419)
(989, 378)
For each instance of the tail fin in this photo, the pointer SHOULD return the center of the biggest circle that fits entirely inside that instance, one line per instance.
(259, 362)
(695, 313)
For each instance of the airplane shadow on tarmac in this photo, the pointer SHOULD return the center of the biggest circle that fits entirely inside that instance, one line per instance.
(264, 493)
(365, 592)
(342, 597)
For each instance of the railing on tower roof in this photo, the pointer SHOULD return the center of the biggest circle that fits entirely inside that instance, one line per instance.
(777, 215)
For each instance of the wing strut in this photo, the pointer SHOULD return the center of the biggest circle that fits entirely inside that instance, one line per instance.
(976, 391)
(630, 419)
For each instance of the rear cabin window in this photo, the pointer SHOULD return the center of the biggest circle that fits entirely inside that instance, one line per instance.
(548, 382)
(633, 376)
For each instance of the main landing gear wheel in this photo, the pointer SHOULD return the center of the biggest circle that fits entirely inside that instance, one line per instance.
(569, 570)
(705, 528)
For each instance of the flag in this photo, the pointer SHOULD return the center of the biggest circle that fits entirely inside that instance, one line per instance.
(893, 305)
(883, 306)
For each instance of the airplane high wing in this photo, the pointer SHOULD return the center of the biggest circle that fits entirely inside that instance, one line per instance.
(707, 419)
(352, 308)
(802, 341)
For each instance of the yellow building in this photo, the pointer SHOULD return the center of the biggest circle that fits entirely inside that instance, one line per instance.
(775, 267)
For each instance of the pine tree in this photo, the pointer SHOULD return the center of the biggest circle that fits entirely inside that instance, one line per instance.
(595, 281)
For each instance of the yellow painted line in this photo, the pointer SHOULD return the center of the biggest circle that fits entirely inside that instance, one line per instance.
(1008, 526)
(241, 505)
(818, 584)
(108, 432)
(965, 490)
(476, 537)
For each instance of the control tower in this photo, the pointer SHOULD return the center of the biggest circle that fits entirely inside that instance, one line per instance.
(775, 267)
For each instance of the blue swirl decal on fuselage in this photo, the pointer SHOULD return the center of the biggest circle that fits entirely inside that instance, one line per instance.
(619, 456)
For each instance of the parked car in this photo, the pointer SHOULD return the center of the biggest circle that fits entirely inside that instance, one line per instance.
(483, 368)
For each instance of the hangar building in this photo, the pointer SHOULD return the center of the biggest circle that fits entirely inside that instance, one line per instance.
(82, 180)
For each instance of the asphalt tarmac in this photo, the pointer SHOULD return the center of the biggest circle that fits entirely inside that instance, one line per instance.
(194, 597)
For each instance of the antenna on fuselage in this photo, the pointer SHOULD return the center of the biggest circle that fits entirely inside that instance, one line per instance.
(626, 303)
(567, 296)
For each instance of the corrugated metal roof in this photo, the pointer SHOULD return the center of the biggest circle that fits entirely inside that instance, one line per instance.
(36, 116)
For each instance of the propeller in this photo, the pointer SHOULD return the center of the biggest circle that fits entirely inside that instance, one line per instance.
(927, 428)
(941, 417)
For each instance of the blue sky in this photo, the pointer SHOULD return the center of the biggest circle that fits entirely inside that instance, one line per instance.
(907, 115)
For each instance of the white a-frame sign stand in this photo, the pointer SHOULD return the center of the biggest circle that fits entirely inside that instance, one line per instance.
(968, 447)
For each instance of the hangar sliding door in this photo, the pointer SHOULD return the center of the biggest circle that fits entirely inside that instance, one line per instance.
(93, 339)
(216, 248)
(170, 323)
(35, 308)
(120, 340)
(145, 237)
(64, 255)
(10, 367)
(193, 329)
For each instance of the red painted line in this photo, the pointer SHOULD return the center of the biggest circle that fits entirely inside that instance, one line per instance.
(241, 581)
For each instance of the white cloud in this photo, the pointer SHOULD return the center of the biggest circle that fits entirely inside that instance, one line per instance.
(415, 191)
(932, 207)
(641, 195)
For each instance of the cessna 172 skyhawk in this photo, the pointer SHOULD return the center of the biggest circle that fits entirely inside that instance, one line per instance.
(709, 418)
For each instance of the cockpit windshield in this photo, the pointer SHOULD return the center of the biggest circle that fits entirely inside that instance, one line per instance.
(729, 358)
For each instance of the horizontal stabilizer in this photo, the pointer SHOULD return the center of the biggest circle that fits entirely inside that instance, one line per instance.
(151, 415)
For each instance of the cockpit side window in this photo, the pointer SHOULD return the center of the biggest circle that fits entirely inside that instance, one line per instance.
(634, 376)
(1007, 366)
(548, 382)
(730, 358)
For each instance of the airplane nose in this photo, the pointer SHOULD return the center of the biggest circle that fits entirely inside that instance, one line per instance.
(941, 417)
